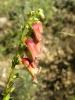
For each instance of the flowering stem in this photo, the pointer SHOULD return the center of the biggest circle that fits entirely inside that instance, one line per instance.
(9, 89)
(7, 92)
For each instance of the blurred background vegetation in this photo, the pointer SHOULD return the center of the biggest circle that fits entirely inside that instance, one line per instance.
(12, 16)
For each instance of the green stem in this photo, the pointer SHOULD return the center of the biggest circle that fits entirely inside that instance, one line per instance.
(8, 84)
(12, 70)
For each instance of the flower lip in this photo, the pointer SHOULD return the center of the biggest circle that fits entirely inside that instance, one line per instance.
(27, 62)
(28, 41)
(31, 67)
(26, 59)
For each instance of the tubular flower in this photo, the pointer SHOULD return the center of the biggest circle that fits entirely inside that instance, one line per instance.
(37, 43)
(31, 46)
(39, 46)
(37, 31)
(31, 67)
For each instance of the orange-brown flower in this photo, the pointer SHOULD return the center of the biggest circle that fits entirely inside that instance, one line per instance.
(36, 31)
(37, 43)
(39, 46)
(31, 46)
(31, 67)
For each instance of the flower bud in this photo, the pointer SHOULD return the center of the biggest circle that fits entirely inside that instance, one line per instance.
(40, 11)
